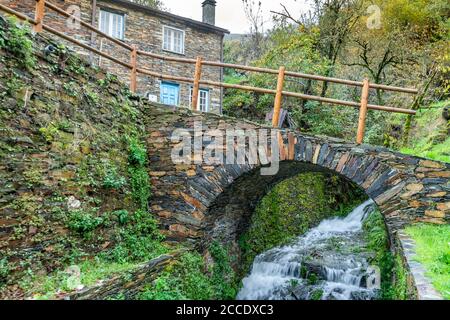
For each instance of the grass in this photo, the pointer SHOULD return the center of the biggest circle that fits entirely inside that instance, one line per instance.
(426, 149)
(90, 272)
(429, 138)
(433, 251)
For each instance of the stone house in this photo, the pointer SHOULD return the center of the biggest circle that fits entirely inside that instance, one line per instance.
(150, 30)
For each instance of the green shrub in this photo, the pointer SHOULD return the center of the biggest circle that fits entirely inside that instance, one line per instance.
(112, 180)
(16, 38)
(139, 179)
(4, 270)
(137, 153)
(140, 240)
(140, 186)
(189, 279)
(84, 222)
(122, 216)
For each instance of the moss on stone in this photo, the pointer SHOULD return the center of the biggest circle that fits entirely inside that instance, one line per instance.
(290, 209)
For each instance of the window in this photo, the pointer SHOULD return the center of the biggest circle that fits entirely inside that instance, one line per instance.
(113, 24)
(170, 93)
(173, 40)
(203, 99)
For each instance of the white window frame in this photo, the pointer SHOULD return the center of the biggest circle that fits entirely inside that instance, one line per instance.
(171, 46)
(199, 108)
(110, 27)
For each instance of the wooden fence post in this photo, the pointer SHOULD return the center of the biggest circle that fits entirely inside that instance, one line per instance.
(196, 88)
(39, 15)
(278, 97)
(133, 80)
(363, 112)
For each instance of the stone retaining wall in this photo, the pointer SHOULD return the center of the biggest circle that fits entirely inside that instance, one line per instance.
(419, 285)
(128, 285)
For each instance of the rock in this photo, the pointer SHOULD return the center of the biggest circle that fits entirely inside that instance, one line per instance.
(414, 187)
(431, 164)
(73, 203)
(443, 206)
(158, 173)
(435, 214)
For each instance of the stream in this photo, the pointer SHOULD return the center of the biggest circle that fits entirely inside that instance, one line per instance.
(329, 262)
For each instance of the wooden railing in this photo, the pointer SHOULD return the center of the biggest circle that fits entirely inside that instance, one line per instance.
(279, 93)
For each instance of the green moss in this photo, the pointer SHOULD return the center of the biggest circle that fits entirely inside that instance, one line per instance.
(49, 133)
(400, 282)
(290, 209)
(433, 251)
(378, 242)
(316, 295)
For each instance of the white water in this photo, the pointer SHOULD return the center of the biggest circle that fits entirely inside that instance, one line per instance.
(276, 274)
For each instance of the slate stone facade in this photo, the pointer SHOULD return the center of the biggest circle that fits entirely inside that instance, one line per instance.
(144, 28)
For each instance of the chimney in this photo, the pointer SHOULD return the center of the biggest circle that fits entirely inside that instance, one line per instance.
(209, 12)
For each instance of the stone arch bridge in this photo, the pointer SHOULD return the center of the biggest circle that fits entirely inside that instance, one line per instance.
(193, 201)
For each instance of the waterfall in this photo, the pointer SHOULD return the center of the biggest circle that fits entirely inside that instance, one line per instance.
(328, 262)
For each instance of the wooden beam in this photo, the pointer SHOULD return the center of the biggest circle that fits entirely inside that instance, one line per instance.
(197, 77)
(278, 97)
(39, 15)
(363, 112)
(133, 72)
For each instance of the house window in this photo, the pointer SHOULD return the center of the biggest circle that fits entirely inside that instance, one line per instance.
(170, 93)
(203, 99)
(173, 40)
(113, 24)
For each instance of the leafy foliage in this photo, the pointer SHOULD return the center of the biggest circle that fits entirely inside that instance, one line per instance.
(16, 38)
(139, 179)
(190, 279)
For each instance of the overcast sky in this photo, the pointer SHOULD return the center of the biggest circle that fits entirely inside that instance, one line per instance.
(230, 14)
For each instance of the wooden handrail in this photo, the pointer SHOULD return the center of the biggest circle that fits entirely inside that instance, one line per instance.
(18, 14)
(196, 88)
(87, 47)
(278, 97)
(39, 15)
(133, 76)
(197, 81)
(363, 112)
(308, 76)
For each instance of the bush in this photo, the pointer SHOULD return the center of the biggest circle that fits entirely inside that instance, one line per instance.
(16, 39)
(140, 240)
(112, 180)
(189, 279)
(84, 222)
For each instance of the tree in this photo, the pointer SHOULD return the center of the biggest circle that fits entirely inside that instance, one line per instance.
(335, 19)
(157, 4)
(255, 41)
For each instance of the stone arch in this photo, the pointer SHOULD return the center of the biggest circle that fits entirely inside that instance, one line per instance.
(405, 188)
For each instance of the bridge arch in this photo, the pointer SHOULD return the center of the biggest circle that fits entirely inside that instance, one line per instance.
(192, 200)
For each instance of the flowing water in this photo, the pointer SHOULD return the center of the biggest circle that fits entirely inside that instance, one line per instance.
(330, 262)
